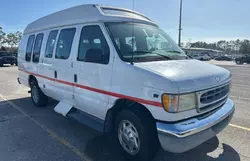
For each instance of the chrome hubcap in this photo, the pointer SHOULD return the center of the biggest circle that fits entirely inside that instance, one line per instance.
(35, 94)
(128, 137)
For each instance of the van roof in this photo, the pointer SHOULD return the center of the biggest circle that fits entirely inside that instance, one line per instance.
(84, 14)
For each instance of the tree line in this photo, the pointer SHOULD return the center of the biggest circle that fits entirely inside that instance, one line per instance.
(10, 41)
(230, 47)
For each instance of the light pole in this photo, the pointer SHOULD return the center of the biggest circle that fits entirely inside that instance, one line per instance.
(179, 40)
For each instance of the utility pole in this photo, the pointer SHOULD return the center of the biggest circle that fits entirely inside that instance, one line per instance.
(179, 41)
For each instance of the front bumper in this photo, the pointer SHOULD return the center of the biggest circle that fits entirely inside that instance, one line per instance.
(185, 135)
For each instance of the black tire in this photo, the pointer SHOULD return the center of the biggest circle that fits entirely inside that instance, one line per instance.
(39, 99)
(1, 64)
(148, 142)
(238, 62)
(12, 64)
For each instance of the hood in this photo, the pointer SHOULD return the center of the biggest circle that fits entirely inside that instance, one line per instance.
(190, 75)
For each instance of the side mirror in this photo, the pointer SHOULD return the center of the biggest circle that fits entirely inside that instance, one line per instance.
(94, 56)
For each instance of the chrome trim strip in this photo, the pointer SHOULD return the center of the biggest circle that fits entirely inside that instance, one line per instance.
(194, 125)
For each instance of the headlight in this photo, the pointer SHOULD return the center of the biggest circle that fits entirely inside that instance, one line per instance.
(178, 103)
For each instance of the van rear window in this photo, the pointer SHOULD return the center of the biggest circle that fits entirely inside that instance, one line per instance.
(64, 43)
(29, 47)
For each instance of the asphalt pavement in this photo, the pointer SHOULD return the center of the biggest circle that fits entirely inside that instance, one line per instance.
(28, 133)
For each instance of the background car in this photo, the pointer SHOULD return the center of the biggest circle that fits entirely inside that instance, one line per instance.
(223, 58)
(200, 57)
(242, 60)
(7, 58)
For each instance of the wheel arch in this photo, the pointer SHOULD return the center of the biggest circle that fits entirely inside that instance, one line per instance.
(121, 104)
(31, 78)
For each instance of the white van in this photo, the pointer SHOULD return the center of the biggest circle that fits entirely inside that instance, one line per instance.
(115, 70)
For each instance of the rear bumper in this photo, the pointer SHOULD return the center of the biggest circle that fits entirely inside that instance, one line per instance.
(9, 61)
(183, 136)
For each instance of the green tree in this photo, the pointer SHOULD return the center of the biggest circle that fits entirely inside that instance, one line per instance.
(2, 36)
(13, 39)
(245, 47)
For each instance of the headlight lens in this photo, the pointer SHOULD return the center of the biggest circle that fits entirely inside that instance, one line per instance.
(178, 103)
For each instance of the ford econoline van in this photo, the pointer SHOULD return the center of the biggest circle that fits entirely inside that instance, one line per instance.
(116, 71)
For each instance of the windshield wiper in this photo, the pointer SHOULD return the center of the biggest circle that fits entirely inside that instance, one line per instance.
(140, 52)
(146, 52)
(164, 56)
(173, 51)
(137, 52)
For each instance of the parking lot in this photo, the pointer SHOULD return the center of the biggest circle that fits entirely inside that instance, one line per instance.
(28, 133)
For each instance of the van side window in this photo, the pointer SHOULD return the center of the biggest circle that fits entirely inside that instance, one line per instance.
(93, 38)
(29, 47)
(64, 43)
(37, 48)
(50, 44)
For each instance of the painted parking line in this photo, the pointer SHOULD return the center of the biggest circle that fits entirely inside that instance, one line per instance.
(51, 133)
(240, 127)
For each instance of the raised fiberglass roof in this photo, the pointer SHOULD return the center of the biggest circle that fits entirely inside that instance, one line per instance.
(84, 14)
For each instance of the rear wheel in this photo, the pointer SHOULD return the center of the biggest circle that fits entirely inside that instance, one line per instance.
(135, 136)
(12, 64)
(238, 62)
(38, 97)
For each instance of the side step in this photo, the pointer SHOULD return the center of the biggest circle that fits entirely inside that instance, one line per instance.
(87, 119)
(62, 108)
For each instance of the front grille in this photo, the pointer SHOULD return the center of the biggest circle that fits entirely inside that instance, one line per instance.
(213, 105)
(214, 94)
(212, 98)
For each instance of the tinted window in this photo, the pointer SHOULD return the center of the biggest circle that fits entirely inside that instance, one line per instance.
(64, 43)
(50, 44)
(29, 47)
(37, 47)
(3, 54)
(93, 38)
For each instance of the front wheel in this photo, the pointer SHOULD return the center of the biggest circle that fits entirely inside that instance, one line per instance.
(135, 137)
(39, 99)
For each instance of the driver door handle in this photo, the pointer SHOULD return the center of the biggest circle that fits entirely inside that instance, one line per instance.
(75, 78)
(55, 74)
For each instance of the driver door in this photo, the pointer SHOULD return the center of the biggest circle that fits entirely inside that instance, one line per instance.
(93, 80)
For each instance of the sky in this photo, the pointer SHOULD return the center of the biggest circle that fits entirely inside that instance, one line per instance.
(203, 20)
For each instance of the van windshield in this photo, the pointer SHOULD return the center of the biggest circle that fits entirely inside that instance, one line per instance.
(144, 42)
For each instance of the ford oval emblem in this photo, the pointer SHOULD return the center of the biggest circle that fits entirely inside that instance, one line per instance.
(217, 79)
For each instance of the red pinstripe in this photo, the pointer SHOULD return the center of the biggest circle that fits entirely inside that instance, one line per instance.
(143, 101)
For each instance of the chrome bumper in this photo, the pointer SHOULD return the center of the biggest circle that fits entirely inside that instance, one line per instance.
(185, 135)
